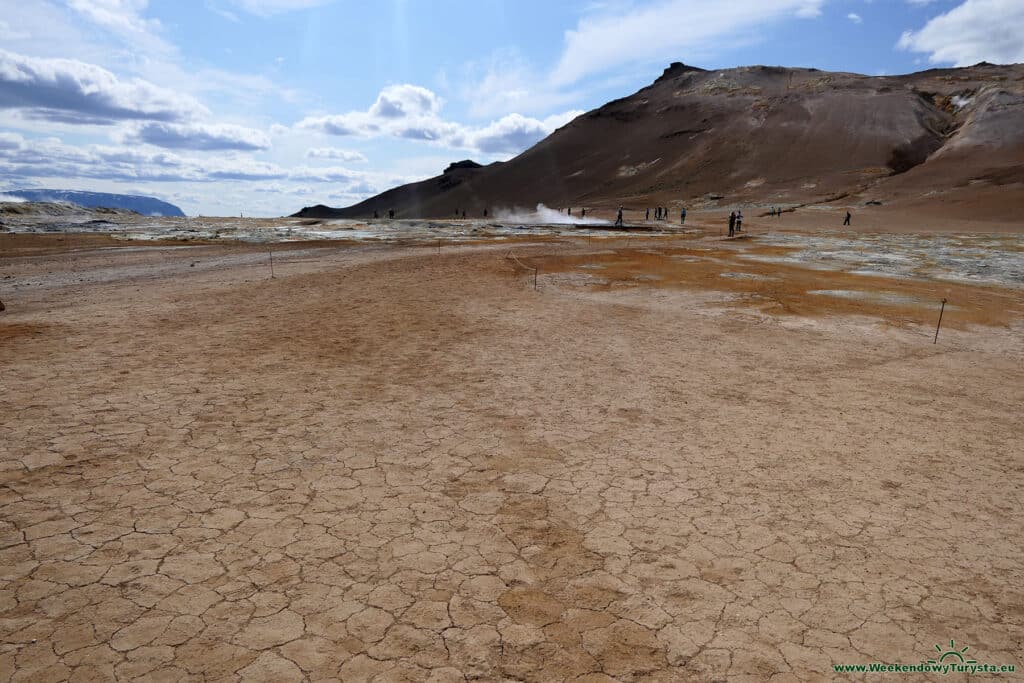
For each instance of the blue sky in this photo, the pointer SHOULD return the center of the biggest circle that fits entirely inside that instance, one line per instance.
(265, 106)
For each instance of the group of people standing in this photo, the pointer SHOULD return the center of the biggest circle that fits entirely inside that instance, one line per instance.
(735, 223)
(660, 214)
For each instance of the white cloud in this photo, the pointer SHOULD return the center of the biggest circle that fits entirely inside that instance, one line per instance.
(124, 18)
(334, 153)
(51, 158)
(72, 91)
(413, 113)
(198, 136)
(266, 8)
(974, 31)
(664, 31)
(854, 17)
(11, 141)
(511, 133)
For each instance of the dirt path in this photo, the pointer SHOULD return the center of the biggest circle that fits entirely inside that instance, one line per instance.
(390, 465)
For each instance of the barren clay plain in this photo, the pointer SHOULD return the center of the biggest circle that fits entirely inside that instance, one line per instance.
(678, 458)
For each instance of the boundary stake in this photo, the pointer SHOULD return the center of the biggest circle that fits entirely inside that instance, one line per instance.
(941, 311)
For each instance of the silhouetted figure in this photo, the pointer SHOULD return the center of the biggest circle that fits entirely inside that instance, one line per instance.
(739, 221)
(583, 213)
(732, 224)
(569, 211)
(618, 218)
(391, 213)
(463, 213)
(375, 214)
(456, 213)
(485, 213)
(682, 216)
(647, 216)
(846, 221)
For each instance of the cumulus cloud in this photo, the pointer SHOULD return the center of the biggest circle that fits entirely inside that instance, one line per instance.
(71, 91)
(601, 42)
(407, 111)
(413, 113)
(854, 17)
(511, 133)
(334, 153)
(199, 136)
(974, 31)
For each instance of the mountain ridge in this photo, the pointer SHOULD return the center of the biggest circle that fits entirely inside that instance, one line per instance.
(757, 134)
(147, 206)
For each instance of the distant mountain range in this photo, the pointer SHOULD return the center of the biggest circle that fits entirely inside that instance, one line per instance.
(147, 206)
(946, 140)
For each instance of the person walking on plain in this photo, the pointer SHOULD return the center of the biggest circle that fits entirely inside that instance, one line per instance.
(618, 218)
(846, 221)
(732, 224)
(682, 216)
(739, 221)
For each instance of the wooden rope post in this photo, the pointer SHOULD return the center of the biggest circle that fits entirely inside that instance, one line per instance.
(941, 311)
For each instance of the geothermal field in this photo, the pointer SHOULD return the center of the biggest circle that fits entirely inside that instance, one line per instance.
(466, 450)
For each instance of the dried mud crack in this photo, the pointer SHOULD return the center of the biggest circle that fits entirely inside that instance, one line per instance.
(387, 464)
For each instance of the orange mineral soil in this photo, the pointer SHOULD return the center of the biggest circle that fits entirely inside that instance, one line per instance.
(672, 460)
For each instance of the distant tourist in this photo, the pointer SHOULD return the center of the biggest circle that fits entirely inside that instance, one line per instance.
(682, 216)
(485, 213)
(569, 211)
(739, 221)
(846, 221)
(391, 213)
(463, 213)
(732, 224)
(647, 216)
(375, 214)
(583, 213)
(618, 218)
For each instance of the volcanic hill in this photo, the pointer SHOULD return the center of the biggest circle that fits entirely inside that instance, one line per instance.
(945, 139)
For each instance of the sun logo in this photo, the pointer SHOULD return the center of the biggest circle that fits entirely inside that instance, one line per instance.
(953, 653)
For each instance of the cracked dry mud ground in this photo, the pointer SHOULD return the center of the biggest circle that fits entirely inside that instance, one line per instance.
(391, 465)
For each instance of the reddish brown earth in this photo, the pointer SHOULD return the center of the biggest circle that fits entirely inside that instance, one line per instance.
(391, 464)
(943, 143)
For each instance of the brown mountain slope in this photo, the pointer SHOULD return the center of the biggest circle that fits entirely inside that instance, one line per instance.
(758, 135)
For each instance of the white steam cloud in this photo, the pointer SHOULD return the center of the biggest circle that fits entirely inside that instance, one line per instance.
(543, 215)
